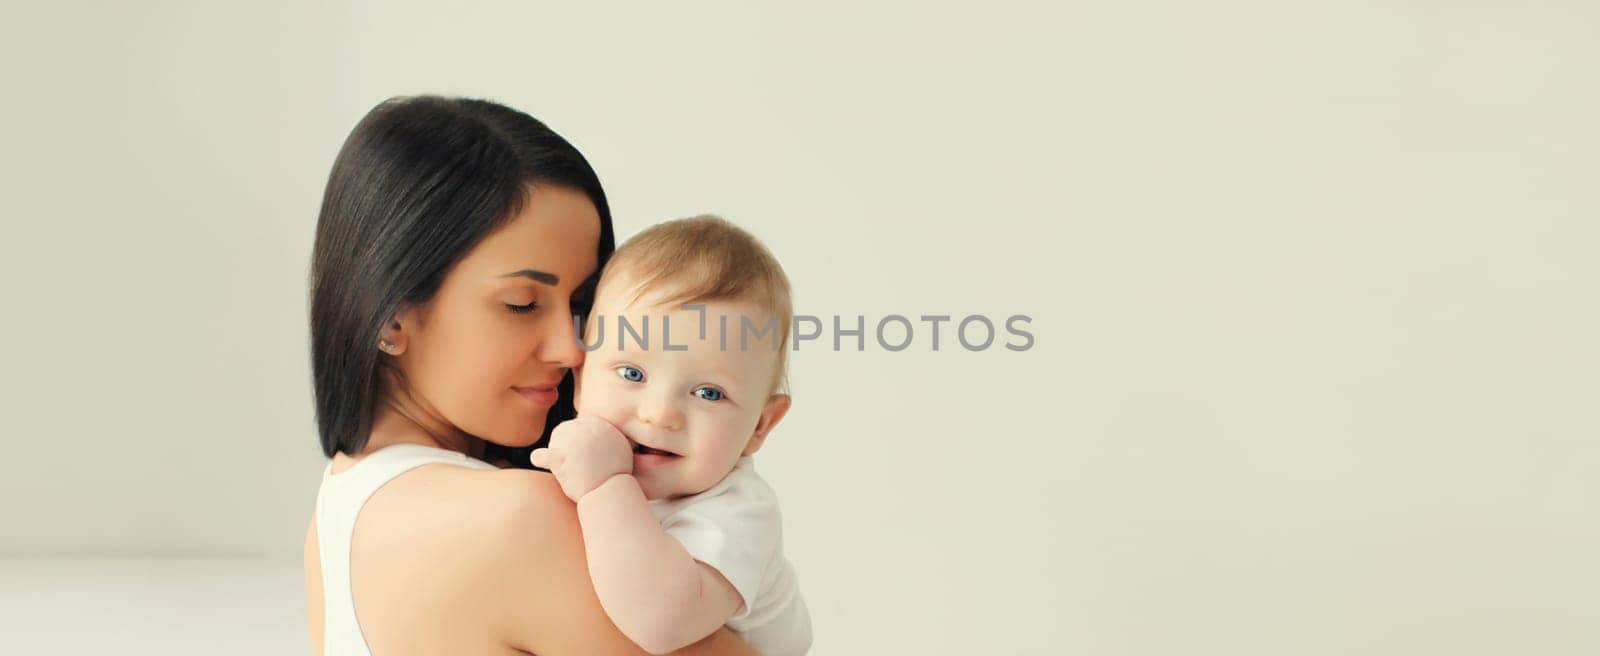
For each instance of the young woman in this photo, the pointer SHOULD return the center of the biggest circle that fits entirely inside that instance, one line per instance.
(456, 240)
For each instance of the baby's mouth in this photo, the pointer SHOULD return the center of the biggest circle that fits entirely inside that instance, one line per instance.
(649, 451)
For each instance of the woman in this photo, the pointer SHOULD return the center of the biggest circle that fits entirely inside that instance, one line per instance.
(456, 240)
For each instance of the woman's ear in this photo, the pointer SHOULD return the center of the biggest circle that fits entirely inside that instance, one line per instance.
(392, 338)
(777, 406)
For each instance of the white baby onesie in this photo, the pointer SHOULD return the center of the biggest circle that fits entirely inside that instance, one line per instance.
(736, 528)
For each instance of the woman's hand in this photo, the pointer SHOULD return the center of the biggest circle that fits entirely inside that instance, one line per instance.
(583, 453)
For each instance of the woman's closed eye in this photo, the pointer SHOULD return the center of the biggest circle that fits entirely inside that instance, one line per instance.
(522, 309)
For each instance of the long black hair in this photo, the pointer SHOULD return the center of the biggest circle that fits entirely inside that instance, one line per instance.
(419, 182)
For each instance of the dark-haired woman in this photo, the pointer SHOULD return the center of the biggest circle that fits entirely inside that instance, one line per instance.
(456, 240)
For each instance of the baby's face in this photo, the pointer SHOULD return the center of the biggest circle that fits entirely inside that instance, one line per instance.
(689, 414)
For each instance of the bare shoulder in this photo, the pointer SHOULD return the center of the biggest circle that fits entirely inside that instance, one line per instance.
(526, 560)
(448, 551)
(528, 530)
(512, 505)
(521, 512)
(527, 494)
(495, 527)
(481, 511)
(505, 564)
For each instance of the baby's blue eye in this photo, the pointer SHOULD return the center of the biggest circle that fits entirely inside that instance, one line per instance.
(710, 393)
(630, 373)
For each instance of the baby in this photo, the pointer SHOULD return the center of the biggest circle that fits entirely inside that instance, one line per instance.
(680, 388)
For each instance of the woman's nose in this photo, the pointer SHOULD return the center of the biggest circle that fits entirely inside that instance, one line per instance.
(559, 343)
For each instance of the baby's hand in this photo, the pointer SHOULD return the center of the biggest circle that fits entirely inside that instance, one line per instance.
(584, 453)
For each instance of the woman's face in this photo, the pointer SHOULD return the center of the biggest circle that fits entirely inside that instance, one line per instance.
(485, 354)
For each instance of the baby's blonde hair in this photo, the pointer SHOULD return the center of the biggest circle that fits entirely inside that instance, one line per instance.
(705, 258)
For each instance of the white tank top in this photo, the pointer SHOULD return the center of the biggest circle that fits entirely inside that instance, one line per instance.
(339, 502)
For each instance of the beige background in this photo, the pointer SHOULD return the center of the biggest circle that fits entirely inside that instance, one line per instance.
(1313, 288)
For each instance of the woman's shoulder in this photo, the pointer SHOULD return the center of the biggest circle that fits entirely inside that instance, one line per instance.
(516, 558)
(485, 523)
(489, 503)
(515, 561)
(491, 514)
(522, 505)
(447, 549)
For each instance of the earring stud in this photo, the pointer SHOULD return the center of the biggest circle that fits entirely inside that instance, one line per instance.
(385, 344)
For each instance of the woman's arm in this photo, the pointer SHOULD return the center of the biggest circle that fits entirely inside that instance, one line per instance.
(547, 603)
(313, 566)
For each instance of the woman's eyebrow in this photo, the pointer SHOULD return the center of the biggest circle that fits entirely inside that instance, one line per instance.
(536, 276)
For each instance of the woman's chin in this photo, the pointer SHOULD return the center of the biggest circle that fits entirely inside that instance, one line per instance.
(519, 441)
(515, 439)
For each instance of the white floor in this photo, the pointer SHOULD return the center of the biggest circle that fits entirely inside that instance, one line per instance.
(151, 605)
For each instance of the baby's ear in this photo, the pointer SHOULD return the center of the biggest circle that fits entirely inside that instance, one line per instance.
(777, 406)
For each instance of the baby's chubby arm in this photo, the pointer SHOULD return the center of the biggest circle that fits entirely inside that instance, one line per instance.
(659, 596)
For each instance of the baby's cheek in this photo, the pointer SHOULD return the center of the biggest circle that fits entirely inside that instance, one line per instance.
(597, 401)
(584, 395)
(581, 402)
(706, 474)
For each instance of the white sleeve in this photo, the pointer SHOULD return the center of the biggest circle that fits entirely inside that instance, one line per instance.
(735, 533)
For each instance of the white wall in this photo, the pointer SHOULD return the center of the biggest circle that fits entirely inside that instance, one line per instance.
(1312, 287)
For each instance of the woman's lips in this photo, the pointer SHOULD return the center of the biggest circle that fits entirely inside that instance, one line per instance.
(540, 396)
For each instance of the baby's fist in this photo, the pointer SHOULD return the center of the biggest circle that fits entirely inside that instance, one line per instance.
(583, 453)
